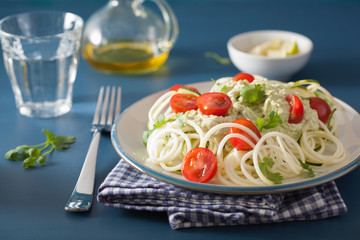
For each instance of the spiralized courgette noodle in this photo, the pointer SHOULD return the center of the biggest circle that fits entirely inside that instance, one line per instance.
(289, 145)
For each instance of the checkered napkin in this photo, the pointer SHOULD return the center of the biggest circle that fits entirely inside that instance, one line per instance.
(128, 188)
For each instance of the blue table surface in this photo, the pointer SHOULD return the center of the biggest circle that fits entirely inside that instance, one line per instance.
(32, 200)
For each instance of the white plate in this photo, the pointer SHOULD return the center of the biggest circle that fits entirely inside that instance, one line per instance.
(126, 136)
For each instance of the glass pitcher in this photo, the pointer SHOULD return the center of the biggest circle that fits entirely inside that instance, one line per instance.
(128, 37)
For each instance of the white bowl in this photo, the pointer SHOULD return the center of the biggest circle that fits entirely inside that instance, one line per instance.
(270, 67)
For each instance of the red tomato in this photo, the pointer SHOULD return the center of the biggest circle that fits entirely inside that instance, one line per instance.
(322, 107)
(199, 165)
(214, 103)
(239, 143)
(183, 102)
(243, 76)
(296, 108)
(177, 86)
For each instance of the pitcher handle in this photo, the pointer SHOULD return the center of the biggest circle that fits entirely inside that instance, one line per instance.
(171, 23)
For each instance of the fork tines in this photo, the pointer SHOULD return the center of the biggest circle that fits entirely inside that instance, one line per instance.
(109, 106)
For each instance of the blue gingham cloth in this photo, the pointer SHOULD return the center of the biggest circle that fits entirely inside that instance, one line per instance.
(128, 188)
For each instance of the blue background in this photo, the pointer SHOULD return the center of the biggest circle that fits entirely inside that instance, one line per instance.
(32, 201)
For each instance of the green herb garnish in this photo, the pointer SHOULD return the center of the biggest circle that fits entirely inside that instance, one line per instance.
(308, 168)
(253, 94)
(274, 177)
(181, 119)
(218, 58)
(274, 119)
(146, 135)
(161, 121)
(220, 87)
(37, 153)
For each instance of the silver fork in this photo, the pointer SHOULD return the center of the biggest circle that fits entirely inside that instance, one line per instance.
(81, 198)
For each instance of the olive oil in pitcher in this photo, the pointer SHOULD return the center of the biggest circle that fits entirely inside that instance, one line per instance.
(127, 37)
(124, 57)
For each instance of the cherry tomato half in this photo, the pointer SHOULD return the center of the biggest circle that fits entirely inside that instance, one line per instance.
(177, 86)
(239, 143)
(243, 76)
(199, 165)
(322, 108)
(214, 103)
(296, 108)
(183, 102)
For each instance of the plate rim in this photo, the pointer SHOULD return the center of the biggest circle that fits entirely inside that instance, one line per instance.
(223, 189)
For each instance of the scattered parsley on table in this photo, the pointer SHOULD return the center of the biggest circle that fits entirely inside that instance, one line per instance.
(30, 155)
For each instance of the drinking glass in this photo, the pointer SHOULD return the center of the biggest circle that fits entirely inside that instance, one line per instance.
(40, 51)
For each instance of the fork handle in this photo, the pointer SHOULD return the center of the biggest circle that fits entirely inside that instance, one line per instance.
(81, 198)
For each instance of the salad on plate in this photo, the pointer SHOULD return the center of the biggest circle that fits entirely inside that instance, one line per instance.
(245, 131)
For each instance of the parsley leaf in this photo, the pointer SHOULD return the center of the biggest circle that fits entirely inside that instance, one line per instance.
(219, 87)
(37, 153)
(308, 168)
(253, 94)
(50, 136)
(218, 58)
(146, 135)
(260, 123)
(160, 122)
(181, 119)
(63, 142)
(269, 161)
(274, 119)
(274, 177)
